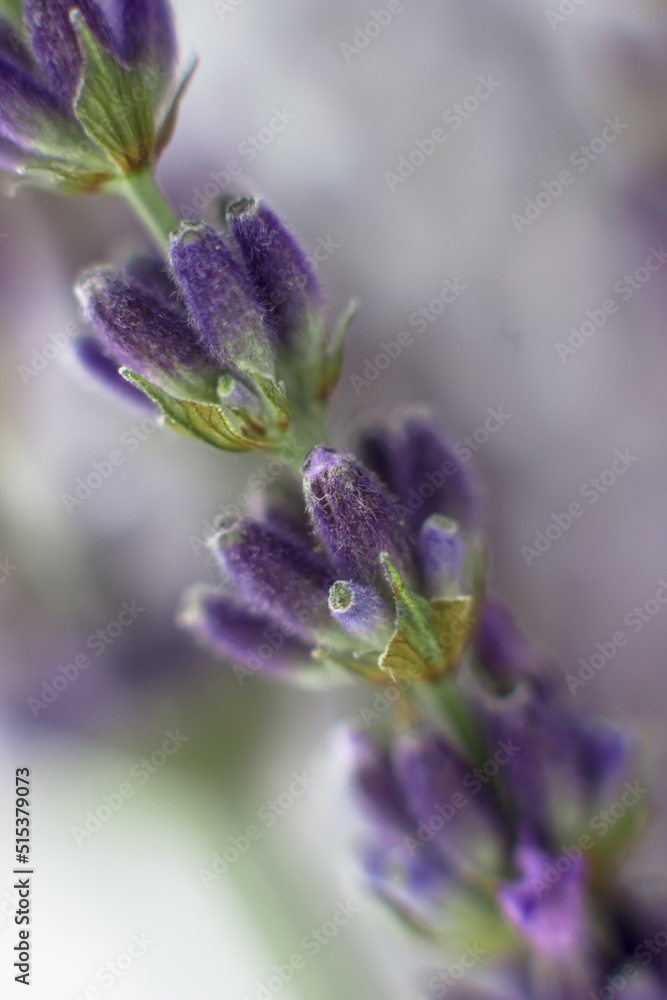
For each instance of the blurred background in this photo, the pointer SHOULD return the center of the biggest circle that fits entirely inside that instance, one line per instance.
(545, 208)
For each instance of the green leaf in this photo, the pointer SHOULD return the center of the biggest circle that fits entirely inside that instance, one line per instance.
(217, 425)
(114, 104)
(429, 637)
(13, 9)
(166, 128)
(335, 351)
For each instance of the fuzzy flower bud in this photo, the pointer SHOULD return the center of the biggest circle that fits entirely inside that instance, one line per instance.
(283, 276)
(220, 299)
(275, 574)
(353, 516)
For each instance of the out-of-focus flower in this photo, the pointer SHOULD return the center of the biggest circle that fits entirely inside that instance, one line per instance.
(551, 917)
(85, 91)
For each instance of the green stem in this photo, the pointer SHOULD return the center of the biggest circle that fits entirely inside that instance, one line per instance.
(141, 192)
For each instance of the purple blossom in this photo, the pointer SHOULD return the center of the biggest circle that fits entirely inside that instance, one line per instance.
(441, 555)
(105, 369)
(545, 905)
(147, 33)
(54, 44)
(282, 275)
(358, 609)
(275, 574)
(242, 637)
(421, 470)
(138, 329)
(354, 517)
(220, 299)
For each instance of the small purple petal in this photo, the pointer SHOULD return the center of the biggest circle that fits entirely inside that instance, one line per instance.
(547, 905)
(441, 555)
(147, 33)
(134, 324)
(54, 44)
(105, 369)
(236, 634)
(282, 274)
(354, 516)
(220, 298)
(275, 574)
(357, 609)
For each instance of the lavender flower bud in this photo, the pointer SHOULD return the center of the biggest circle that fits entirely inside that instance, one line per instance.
(30, 115)
(239, 635)
(374, 784)
(441, 555)
(354, 517)
(54, 44)
(276, 575)
(284, 278)
(105, 369)
(147, 32)
(549, 914)
(220, 299)
(358, 609)
(136, 327)
(426, 475)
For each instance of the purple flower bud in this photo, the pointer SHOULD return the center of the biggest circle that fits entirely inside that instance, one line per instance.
(30, 116)
(281, 503)
(416, 882)
(147, 33)
(275, 574)
(434, 481)
(433, 778)
(283, 276)
(549, 913)
(417, 466)
(220, 299)
(441, 555)
(138, 329)
(374, 784)
(502, 649)
(152, 274)
(105, 369)
(241, 636)
(54, 45)
(354, 517)
(358, 609)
